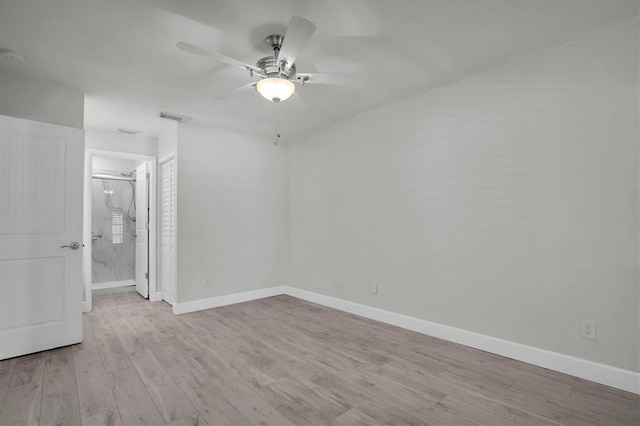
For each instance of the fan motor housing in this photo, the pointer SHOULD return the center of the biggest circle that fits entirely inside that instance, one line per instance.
(269, 65)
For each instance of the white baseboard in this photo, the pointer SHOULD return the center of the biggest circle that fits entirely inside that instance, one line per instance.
(596, 372)
(164, 296)
(229, 299)
(600, 373)
(112, 284)
(155, 297)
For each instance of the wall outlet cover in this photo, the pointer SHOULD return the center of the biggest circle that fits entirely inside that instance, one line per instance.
(588, 329)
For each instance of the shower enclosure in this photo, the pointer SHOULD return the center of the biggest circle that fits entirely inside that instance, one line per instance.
(113, 232)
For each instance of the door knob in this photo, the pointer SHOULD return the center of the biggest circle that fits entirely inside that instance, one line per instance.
(73, 246)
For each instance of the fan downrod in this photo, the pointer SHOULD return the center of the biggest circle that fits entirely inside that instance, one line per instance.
(275, 41)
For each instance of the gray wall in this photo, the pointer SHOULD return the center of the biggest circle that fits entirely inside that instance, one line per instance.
(42, 101)
(112, 140)
(231, 213)
(505, 204)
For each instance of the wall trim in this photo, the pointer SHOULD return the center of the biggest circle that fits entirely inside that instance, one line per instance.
(112, 284)
(596, 372)
(229, 299)
(154, 296)
(165, 296)
(589, 370)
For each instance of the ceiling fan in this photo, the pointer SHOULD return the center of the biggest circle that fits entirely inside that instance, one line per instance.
(277, 74)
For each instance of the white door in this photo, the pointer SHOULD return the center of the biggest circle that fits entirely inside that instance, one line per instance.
(142, 231)
(41, 178)
(168, 227)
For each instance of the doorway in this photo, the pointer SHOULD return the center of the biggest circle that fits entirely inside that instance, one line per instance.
(119, 223)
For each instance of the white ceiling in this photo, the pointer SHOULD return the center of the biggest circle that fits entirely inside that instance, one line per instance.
(122, 52)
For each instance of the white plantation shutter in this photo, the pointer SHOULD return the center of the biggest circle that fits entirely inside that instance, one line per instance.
(168, 210)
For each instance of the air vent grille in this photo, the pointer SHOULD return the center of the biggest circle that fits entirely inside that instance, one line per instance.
(174, 117)
(129, 131)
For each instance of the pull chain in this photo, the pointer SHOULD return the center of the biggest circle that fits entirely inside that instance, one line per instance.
(276, 141)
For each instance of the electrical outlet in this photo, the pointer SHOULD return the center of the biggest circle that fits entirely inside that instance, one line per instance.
(374, 287)
(588, 329)
(206, 281)
(340, 283)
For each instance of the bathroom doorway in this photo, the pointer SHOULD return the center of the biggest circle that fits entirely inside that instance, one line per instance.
(119, 224)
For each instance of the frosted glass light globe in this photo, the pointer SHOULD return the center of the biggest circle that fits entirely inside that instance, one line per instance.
(275, 89)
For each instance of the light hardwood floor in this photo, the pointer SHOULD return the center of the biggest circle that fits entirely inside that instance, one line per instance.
(284, 361)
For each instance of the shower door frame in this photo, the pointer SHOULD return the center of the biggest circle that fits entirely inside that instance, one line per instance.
(152, 163)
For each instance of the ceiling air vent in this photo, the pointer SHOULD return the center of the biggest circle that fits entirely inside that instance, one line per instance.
(129, 131)
(175, 117)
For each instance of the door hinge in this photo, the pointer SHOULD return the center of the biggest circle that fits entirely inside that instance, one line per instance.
(146, 275)
(146, 225)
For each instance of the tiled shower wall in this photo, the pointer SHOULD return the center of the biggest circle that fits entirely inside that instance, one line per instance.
(112, 260)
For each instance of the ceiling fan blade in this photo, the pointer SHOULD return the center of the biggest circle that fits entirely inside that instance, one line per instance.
(298, 33)
(187, 47)
(237, 90)
(343, 79)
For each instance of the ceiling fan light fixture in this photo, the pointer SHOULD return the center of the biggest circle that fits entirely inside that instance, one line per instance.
(275, 89)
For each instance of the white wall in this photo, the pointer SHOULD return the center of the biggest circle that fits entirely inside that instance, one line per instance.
(168, 141)
(121, 142)
(231, 213)
(484, 205)
(37, 100)
(111, 163)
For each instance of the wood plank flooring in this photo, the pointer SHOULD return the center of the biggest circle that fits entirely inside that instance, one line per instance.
(284, 361)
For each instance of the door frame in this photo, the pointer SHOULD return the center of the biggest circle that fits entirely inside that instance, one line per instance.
(152, 162)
